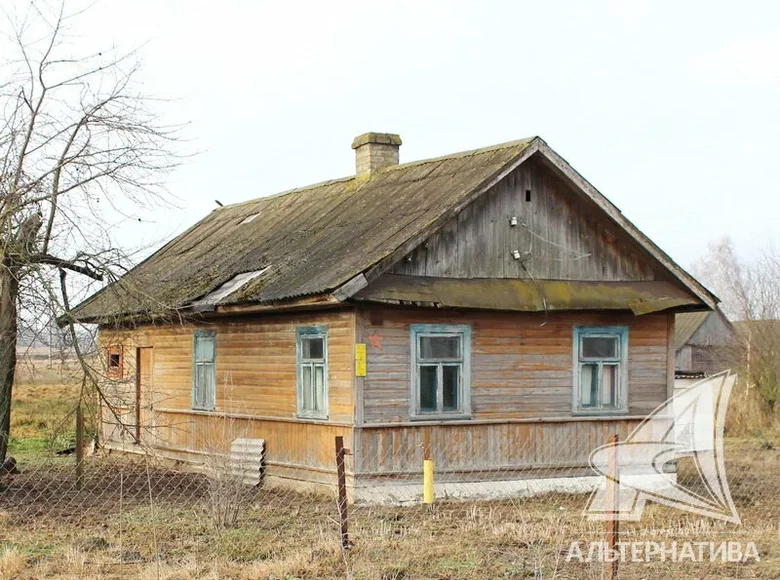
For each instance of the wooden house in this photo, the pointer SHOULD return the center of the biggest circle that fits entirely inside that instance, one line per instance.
(491, 306)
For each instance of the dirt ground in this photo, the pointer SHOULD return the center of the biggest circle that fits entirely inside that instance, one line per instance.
(134, 518)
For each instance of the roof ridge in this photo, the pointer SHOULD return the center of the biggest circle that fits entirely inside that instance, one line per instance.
(460, 154)
(288, 191)
(456, 155)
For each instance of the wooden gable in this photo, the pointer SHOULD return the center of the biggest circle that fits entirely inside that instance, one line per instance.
(540, 239)
(531, 225)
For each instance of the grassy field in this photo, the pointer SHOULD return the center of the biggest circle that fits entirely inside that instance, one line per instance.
(138, 518)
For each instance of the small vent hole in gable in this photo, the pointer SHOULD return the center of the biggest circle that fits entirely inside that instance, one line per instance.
(528, 195)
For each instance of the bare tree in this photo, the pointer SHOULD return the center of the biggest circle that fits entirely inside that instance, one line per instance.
(750, 290)
(80, 147)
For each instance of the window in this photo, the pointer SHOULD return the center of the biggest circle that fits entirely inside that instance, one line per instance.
(441, 374)
(312, 347)
(600, 369)
(203, 373)
(115, 362)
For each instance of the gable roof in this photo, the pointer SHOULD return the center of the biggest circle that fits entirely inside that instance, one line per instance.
(327, 238)
(685, 325)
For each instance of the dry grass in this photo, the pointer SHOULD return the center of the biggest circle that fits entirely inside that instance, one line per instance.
(749, 415)
(43, 409)
(111, 529)
(12, 562)
(141, 519)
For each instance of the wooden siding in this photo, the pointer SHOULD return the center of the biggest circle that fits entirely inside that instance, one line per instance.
(521, 364)
(683, 359)
(497, 450)
(564, 235)
(713, 347)
(714, 331)
(295, 450)
(256, 387)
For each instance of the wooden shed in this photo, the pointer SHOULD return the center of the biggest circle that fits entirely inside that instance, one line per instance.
(705, 343)
(491, 305)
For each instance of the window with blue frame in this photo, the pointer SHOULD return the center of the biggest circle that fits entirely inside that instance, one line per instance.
(203, 372)
(441, 370)
(600, 369)
(312, 354)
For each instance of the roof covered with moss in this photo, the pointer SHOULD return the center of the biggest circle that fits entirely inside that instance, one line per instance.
(301, 242)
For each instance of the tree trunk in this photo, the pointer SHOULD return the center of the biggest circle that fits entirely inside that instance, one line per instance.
(9, 292)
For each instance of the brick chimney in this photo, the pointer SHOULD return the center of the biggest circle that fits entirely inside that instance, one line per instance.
(374, 151)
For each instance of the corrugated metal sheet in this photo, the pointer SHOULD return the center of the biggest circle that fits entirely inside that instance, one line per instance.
(246, 460)
(312, 240)
(527, 295)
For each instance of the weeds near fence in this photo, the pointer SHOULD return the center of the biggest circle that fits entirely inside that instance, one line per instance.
(140, 515)
(233, 476)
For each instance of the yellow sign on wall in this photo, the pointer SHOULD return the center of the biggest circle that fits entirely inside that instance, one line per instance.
(360, 359)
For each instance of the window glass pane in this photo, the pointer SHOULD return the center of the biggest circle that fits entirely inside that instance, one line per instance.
(196, 389)
(313, 348)
(450, 382)
(438, 347)
(589, 385)
(202, 384)
(204, 348)
(609, 375)
(599, 347)
(428, 387)
(319, 387)
(306, 387)
(113, 360)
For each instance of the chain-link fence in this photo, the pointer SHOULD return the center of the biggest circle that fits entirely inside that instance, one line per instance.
(122, 514)
(503, 501)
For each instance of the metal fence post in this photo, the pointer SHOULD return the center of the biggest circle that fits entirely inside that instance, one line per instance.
(79, 447)
(342, 485)
(611, 524)
(428, 492)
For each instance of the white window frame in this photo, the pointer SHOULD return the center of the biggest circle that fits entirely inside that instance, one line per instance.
(204, 397)
(461, 331)
(621, 361)
(311, 332)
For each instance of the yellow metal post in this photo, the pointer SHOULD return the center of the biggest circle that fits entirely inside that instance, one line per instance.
(428, 495)
(428, 481)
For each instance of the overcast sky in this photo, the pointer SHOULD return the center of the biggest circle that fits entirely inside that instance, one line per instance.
(671, 109)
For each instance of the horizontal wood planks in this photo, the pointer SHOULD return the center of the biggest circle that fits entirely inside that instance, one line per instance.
(288, 445)
(521, 363)
(255, 362)
(521, 370)
(256, 377)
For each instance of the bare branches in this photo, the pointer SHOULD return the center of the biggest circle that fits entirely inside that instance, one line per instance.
(86, 270)
(76, 138)
(750, 291)
(80, 148)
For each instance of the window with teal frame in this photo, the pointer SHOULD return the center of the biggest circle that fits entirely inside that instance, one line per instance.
(441, 371)
(312, 357)
(204, 348)
(600, 369)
